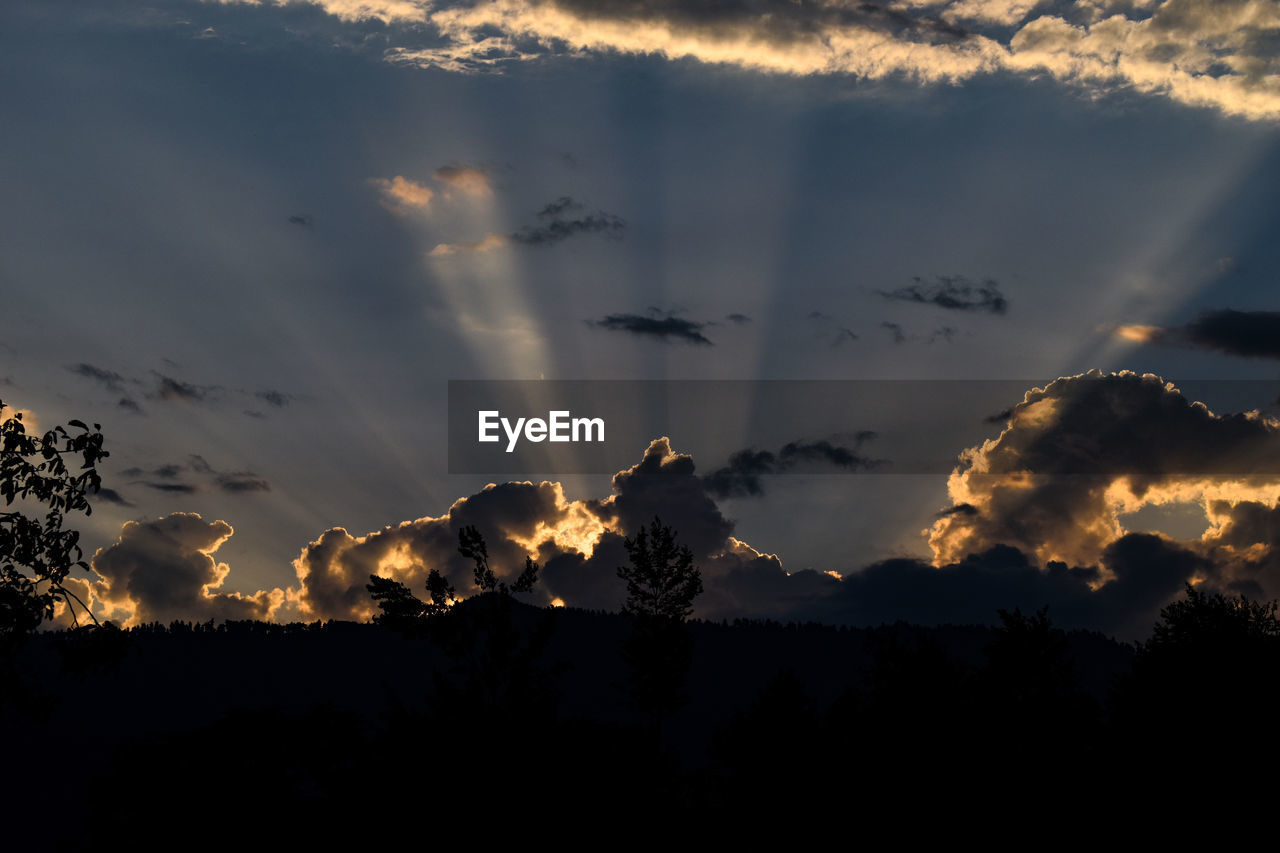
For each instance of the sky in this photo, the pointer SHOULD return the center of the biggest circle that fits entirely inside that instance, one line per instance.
(255, 241)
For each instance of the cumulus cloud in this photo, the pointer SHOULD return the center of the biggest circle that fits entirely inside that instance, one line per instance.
(164, 570)
(516, 519)
(1249, 334)
(955, 293)
(1081, 452)
(1211, 53)
(1036, 517)
(402, 195)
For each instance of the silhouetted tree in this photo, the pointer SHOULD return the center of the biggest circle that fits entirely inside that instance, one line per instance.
(401, 609)
(1209, 669)
(662, 583)
(37, 554)
(661, 579)
(496, 682)
(471, 545)
(1032, 709)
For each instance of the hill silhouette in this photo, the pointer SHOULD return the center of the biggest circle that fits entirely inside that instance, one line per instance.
(160, 721)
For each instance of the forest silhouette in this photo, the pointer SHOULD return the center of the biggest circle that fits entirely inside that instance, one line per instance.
(479, 707)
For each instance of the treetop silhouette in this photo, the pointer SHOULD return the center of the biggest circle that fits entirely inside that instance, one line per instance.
(471, 545)
(36, 555)
(661, 579)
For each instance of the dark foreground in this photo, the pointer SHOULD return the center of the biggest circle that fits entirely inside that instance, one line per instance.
(522, 718)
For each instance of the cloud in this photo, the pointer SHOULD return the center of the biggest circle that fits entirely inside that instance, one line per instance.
(301, 219)
(402, 195)
(1081, 452)
(955, 293)
(895, 331)
(111, 496)
(556, 223)
(279, 399)
(555, 229)
(469, 180)
(171, 488)
(942, 333)
(1218, 54)
(164, 478)
(738, 319)
(516, 519)
(665, 328)
(164, 570)
(1008, 538)
(356, 11)
(485, 244)
(741, 477)
(242, 481)
(175, 390)
(554, 208)
(109, 379)
(843, 335)
(1248, 334)
(1146, 572)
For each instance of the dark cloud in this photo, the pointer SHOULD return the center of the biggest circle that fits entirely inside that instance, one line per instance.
(999, 417)
(738, 319)
(279, 399)
(796, 452)
(242, 482)
(254, 414)
(556, 227)
(1146, 572)
(1249, 334)
(164, 478)
(163, 570)
(171, 488)
(170, 389)
(109, 379)
(553, 209)
(895, 330)
(843, 335)
(665, 328)
(943, 333)
(955, 293)
(302, 219)
(129, 405)
(111, 496)
(741, 477)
